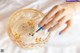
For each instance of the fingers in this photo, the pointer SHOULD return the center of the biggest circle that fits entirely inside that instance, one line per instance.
(67, 27)
(60, 23)
(52, 12)
(58, 15)
(55, 19)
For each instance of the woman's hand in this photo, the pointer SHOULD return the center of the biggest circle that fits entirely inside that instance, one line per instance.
(58, 16)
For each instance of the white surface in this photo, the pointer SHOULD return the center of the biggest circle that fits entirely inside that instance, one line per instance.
(67, 43)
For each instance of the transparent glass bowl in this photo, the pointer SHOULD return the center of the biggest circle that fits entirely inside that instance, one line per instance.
(22, 24)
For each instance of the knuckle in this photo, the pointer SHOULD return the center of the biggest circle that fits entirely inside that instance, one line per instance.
(57, 6)
(45, 26)
(51, 29)
(63, 10)
(59, 24)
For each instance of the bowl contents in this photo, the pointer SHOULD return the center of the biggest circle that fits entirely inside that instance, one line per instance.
(22, 26)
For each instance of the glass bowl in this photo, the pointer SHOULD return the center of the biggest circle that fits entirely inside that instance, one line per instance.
(22, 24)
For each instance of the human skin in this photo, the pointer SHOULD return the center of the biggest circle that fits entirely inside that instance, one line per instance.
(60, 15)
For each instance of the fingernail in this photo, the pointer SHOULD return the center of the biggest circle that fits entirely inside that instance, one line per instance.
(39, 29)
(48, 30)
(42, 28)
(39, 26)
(59, 33)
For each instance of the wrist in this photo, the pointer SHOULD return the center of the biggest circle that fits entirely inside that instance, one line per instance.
(76, 6)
